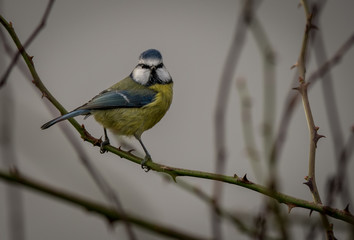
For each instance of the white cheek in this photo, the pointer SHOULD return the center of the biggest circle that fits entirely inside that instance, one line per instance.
(163, 74)
(141, 75)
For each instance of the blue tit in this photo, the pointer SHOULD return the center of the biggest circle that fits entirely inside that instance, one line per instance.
(133, 105)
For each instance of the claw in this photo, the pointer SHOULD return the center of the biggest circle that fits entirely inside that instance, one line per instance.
(105, 142)
(146, 159)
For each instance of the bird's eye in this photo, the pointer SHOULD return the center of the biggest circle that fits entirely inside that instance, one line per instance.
(160, 65)
(144, 66)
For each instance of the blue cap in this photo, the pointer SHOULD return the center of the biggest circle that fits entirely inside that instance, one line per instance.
(152, 54)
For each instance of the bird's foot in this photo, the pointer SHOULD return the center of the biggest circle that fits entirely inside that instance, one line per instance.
(104, 143)
(143, 163)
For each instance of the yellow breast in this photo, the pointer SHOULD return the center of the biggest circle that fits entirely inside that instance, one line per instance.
(134, 121)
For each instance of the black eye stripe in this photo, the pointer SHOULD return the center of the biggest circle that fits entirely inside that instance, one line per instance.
(145, 66)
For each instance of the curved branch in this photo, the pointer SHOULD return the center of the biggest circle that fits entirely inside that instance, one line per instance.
(313, 129)
(108, 213)
(28, 42)
(173, 172)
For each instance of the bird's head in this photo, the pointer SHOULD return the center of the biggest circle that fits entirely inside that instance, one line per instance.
(150, 69)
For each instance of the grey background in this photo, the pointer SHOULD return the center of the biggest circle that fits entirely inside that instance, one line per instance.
(89, 45)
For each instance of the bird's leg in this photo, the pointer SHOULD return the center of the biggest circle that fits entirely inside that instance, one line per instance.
(147, 155)
(105, 142)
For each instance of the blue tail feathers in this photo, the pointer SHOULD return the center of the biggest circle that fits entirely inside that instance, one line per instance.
(65, 116)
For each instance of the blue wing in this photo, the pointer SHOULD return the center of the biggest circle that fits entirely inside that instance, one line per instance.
(120, 99)
(109, 100)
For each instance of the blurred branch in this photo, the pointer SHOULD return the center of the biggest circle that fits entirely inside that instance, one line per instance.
(313, 129)
(222, 100)
(294, 98)
(269, 85)
(175, 172)
(15, 199)
(100, 181)
(247, 127)
(292, 202)
(333, 61)
(103, 186)
(340, 180)
(111, 215)
(14, 196)
(269, 115)
(236, 220)
(28, 42)
(338, 183)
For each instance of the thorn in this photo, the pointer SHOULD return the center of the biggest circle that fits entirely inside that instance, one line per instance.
(10, 23)
(169, 171)
(174, 177)
(14, 171)
(97, 142)
(244, 179)
(310, 212)
(110, 222)
(346, 209)
(312, 26)
(235, 176)
(296, 88)
(290, 206)
(294, 65)
(301, 80)
(321, 136)
(317, 136)
(309, 183)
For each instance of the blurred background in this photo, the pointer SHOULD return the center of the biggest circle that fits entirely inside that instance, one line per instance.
(86, 46)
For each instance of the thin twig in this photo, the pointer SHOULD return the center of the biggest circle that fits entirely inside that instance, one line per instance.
(313, 129)
(341, 180)
(233, 218)
(14, 196)
(247, 127)
(28, 42)
(221, 105)
(234, 180)
(269, 115)
(293, 98)
(333, 118)
(100, 181)
(104, 187)
(174, 172)
(111, 215)
(269, 84)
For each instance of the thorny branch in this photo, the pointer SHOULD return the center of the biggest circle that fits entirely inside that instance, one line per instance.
(313, 129)
(174, 172)
(28, 42)
(105, 188)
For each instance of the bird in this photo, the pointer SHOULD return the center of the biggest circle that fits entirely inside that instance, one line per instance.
(133, 105)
